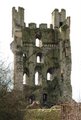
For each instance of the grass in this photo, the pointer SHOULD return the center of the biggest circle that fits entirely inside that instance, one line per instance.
(42, 114)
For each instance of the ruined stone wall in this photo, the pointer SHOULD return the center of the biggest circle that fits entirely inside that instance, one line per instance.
(51, 55)
(71, 111)
(65, 58)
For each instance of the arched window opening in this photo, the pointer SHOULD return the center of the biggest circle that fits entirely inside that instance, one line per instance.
(61, 23)
(40, 58)
(25, 78)
(50, 72)
(24, 57)
(38, 43)
(62, 76)
(49, 76)
(36, 78)
(31, 99)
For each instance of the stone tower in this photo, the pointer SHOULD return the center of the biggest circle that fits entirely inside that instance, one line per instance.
(42, 58)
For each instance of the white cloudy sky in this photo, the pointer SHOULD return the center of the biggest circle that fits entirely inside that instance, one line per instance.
(39, 11)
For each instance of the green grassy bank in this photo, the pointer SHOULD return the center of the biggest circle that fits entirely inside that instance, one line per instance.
(42, 114)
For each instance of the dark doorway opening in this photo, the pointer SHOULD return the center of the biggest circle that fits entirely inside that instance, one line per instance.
(61, 23)
(31, 99)
(44, 97)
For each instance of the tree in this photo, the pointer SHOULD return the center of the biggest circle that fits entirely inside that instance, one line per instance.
(10, 102)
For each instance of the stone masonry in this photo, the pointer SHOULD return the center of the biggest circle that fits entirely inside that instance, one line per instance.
(42, 58)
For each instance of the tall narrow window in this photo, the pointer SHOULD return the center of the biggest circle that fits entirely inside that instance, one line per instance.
(36, 78)
(62, 76)
(24, 58)
(38, 75)
(24, 78)
(38, 59)
(37, 42)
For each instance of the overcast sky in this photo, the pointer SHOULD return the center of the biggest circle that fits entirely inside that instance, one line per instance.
(39, 11)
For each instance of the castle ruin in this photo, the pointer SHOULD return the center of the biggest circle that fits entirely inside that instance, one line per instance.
(42, 58)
